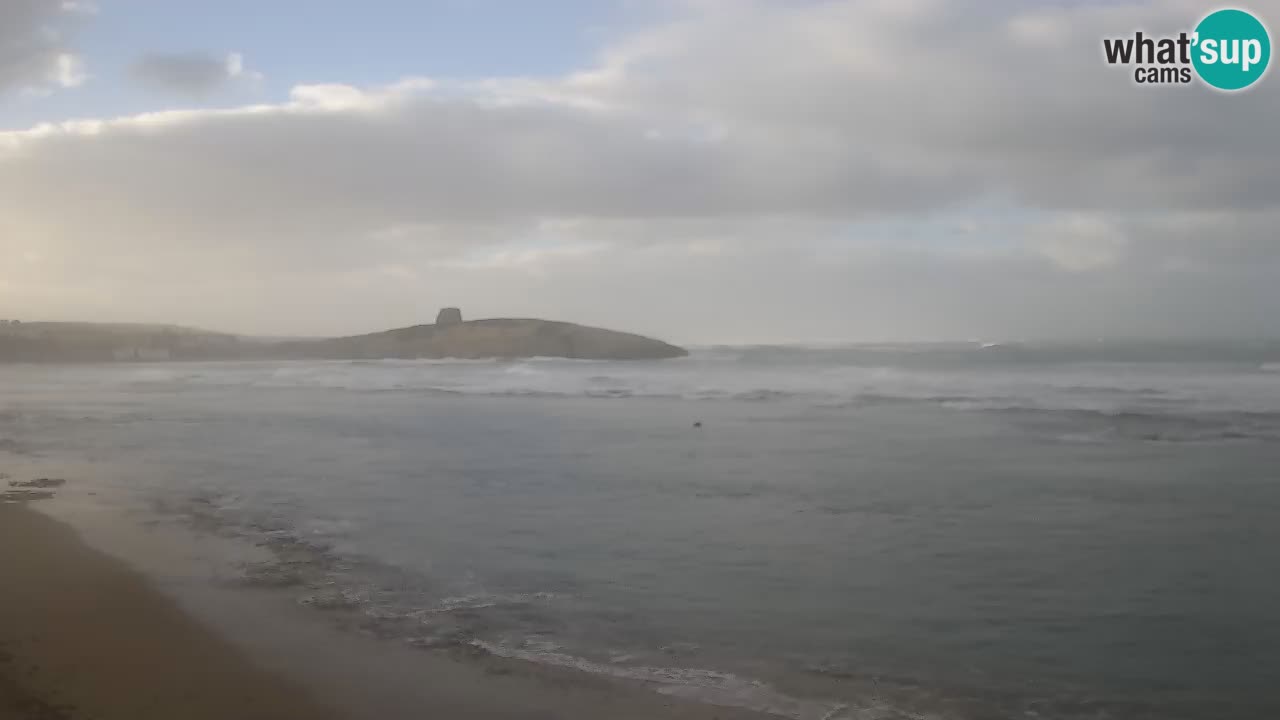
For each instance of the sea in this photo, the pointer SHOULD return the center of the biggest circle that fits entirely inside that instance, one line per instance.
(925, 531)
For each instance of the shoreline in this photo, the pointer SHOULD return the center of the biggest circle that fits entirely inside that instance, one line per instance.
(83, 636)
(86, 633)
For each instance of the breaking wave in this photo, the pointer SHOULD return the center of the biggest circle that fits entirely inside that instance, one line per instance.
(1150, 401)
(709, 686)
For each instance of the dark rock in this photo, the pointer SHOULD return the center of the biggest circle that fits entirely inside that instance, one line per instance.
(20, 496)
(42, 483)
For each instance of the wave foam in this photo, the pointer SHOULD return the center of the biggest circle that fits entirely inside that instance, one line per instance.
(768, 375)
(708, 686)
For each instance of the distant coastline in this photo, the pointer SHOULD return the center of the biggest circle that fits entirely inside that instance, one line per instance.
(449, 336)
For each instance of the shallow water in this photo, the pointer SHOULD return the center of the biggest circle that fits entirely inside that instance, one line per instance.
(935, 531)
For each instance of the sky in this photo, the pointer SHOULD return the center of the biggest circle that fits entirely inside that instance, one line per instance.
(706, 171)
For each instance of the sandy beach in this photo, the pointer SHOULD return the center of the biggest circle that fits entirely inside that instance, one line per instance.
(82, 636)
(85, 635)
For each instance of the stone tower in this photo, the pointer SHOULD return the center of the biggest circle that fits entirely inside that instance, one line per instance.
(449, 316)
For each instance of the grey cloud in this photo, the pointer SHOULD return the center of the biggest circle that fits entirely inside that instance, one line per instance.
(954, 92)
(191, 73)
(33, 50)
(945, 106)
(705, 179)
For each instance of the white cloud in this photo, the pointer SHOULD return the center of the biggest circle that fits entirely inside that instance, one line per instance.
(1081, 242)
(82, 7)
(68, 71)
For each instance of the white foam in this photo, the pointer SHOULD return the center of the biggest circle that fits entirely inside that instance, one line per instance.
(708, 686)
(769, 375)
(477, 601)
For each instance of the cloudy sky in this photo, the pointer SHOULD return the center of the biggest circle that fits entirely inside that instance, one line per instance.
(702, 170)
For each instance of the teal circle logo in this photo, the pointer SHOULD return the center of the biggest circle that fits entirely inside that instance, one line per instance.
(1232, 49)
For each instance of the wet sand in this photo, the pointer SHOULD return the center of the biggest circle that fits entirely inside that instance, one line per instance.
(84, 636)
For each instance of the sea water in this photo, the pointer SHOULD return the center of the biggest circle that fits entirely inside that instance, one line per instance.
(926, 531)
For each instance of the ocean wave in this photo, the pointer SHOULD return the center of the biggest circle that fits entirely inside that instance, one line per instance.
(1097, 426)
(161, 375)
(411, 362)
(395, 605)
(708, 686)
(519, 381)
(483, 600)
(773, 376)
